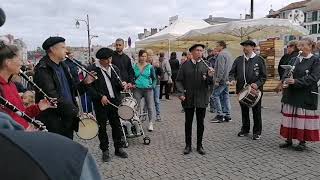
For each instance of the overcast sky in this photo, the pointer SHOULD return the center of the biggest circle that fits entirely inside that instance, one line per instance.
(35, 20)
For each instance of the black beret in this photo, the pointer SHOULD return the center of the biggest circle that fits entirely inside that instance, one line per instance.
(248, 42)
(195, 46)
(51, 41)
(104, 53)
(2, 17)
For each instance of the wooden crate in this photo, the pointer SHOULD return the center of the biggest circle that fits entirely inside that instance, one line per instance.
(269, 86)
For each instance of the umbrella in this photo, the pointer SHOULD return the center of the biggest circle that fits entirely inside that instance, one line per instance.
(246, 29)
(43, 156)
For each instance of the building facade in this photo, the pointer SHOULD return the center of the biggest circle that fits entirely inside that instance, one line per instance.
(311, 11)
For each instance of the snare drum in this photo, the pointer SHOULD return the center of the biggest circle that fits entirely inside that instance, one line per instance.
(127, 107)
(88, 127)
(249, 96)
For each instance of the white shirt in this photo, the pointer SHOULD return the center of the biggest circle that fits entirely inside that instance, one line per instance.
(107, 80)
(307, 57)
(195, 62)
(252, 56)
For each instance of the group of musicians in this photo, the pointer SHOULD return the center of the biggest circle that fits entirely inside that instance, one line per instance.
(60, 112)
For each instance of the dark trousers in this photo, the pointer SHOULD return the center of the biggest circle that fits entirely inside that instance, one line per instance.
(200, 115)
(167, 89)
(257, 120)
(109, 113)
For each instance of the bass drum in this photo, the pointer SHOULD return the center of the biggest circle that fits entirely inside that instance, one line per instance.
(88, 127)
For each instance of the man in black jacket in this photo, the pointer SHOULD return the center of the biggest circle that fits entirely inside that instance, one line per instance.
(106, 91)
(249, 69)
(193, 81)
(123, 62)
(53, 76)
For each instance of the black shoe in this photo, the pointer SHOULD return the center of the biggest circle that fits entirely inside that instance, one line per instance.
(187, 150)
(217, 119)
(256, 137)
(227, 119)
(242, 134)
(105, 156)
(121, 153)
(301, 147)
(201, 150)
(287, 144)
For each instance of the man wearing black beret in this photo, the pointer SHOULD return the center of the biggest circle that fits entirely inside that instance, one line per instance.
(193, 81)
(104, 91)
(249, 69)
(53, 76)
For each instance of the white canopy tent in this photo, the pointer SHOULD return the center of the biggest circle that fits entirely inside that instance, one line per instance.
(166, 39)
(262, 28)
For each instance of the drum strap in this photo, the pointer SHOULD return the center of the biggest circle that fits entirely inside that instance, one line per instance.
(244, 72)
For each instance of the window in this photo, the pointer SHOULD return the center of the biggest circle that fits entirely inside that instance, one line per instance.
(283, 15)
(314, 28)
(309, 17)
(305, 18)
(314, 15)
(319, 29)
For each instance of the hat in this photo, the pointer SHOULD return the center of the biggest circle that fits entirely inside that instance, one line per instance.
(104, 53)
(248, 43)
(51, 41)
(195, 46)
(2, 17)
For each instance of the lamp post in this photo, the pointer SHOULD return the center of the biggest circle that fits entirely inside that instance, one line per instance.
(88, 31)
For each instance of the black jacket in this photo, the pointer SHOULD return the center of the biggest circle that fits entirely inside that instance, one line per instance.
(123, 62)
(99, 88)
(255, 72)
(175, 65)
(306, 75)
(285, 59)
(46, 78)
(192, 84)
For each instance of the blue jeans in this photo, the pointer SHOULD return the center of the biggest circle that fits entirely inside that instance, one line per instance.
(221, 99)
(156, 95)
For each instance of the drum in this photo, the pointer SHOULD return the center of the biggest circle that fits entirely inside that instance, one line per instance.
(127, 107)
(88, 127)
(249, 96)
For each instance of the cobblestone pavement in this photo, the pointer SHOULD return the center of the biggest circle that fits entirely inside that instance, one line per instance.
(228, 156)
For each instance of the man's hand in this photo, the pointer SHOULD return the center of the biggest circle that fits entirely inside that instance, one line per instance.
(232, 83)
(182, 98)
(89, 79)
(254, 86)
(210, 71)
(104, 101)
(290, 81)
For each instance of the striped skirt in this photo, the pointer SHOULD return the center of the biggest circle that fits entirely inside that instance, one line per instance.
(300, 124)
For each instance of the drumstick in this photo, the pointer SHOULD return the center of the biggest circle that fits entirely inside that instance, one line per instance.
(315, 93)
(113, 105)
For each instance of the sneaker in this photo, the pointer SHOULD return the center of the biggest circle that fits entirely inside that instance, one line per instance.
(242, 134)
(256, 137)
(158, 118)
(212, 111)
(217, 119)
(227, 118)
(187, 150)
(138, 133)
(150, 128)
(130, 135)
(201, 150)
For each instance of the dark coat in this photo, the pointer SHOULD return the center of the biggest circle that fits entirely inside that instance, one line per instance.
(99, 89)
(174, 64)
(285, 59)
(255, 72)
(123, 62)
(73, 69)
(306, 75)
(66, 113)
(191, 84)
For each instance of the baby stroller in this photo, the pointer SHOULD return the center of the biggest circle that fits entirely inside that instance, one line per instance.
(128, 114)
